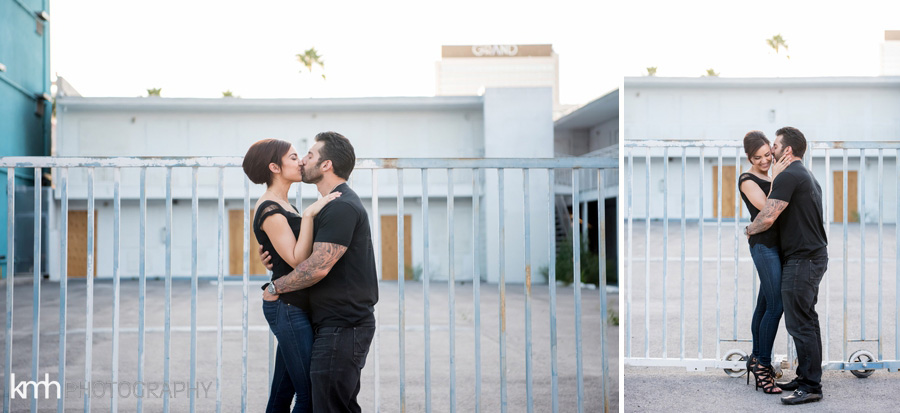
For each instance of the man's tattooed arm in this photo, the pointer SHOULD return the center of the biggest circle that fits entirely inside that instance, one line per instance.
(767, 217)
(314, 269)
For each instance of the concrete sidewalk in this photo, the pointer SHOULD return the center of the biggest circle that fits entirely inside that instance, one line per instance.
(652, 389)
(258, 350)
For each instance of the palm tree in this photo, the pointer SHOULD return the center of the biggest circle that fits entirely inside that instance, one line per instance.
(154, 92)
(311, 57)
(651, 71)
(777, 43)
(711, 73)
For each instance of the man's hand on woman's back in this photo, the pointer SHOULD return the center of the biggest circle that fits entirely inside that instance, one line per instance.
(265, 258)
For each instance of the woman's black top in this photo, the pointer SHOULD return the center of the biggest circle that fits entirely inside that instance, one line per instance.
(769, 237)
(279, 267)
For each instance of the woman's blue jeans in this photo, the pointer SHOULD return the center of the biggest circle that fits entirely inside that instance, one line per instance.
(769, 307)
(290, 380)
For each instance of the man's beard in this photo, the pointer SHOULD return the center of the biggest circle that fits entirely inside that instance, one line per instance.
(310, 177)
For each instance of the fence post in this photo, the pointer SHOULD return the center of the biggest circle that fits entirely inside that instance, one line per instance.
(63, 281)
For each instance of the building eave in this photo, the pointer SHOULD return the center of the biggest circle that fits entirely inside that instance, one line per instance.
(593, 113)
(650, 82)
(151, 104)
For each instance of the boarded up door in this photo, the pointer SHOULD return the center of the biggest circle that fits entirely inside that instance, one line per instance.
(389, 247)
(236, 245)
(852, 209)
(76, 266)
(728, 200)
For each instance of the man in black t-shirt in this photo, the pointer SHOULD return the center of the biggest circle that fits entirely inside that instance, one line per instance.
(339, 278)
(796, 202)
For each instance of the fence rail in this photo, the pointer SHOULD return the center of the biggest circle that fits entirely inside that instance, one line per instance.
(528, 168)
(822, 159)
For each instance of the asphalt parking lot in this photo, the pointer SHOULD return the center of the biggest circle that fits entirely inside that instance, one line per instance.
(258, 347)
(728, 296)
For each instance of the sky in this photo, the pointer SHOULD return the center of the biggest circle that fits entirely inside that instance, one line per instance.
(685, 38)
(384, 48)
(200, 48)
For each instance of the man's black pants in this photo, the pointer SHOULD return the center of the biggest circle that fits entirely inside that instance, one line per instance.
(338, 356)
(800, 280)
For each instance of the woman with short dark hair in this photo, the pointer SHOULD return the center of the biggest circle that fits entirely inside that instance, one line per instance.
(755, 186)
(287, 236)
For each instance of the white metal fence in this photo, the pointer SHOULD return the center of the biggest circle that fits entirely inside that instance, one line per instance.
(656, 197)
(527, 169)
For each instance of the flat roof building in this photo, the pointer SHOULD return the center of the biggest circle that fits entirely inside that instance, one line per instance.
(502, 123)
(825, 109)
(469, 70)
(890, 53)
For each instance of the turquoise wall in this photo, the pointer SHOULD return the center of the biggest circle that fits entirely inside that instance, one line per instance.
(26, 55)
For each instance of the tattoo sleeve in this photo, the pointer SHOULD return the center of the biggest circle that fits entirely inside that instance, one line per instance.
(766, 217)
(314, 269)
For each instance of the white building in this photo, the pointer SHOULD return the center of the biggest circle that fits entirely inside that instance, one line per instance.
(502, 123)
(824, 109)
(591, 131)
(890, 53)
(469, 70)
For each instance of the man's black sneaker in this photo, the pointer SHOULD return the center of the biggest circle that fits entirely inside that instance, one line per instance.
(800, 397)
(791, 385)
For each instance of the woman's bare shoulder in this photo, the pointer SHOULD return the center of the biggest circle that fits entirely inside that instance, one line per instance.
(263, 199)
(268, 203)
(259, 202)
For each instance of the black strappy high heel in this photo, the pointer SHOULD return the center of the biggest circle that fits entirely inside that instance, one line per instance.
(752, 363)
(765, 379)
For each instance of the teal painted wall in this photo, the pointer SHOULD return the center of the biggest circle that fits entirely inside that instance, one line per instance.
(26, 54)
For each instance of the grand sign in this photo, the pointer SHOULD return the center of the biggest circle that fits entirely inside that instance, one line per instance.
(495, 50)
(498, 50)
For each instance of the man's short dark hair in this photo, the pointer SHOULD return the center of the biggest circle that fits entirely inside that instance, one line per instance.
(791, 136)
(337, 149)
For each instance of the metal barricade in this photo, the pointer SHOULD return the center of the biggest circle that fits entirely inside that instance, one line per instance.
(62, 168)
(701, 160)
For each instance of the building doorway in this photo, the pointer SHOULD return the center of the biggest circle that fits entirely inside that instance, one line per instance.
(236, 245)
(76, 265)
(389, 270)
(852, 206)
(728, 191)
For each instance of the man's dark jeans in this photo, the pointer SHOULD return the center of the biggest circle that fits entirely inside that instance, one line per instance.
(800, 280)
(338, 357)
